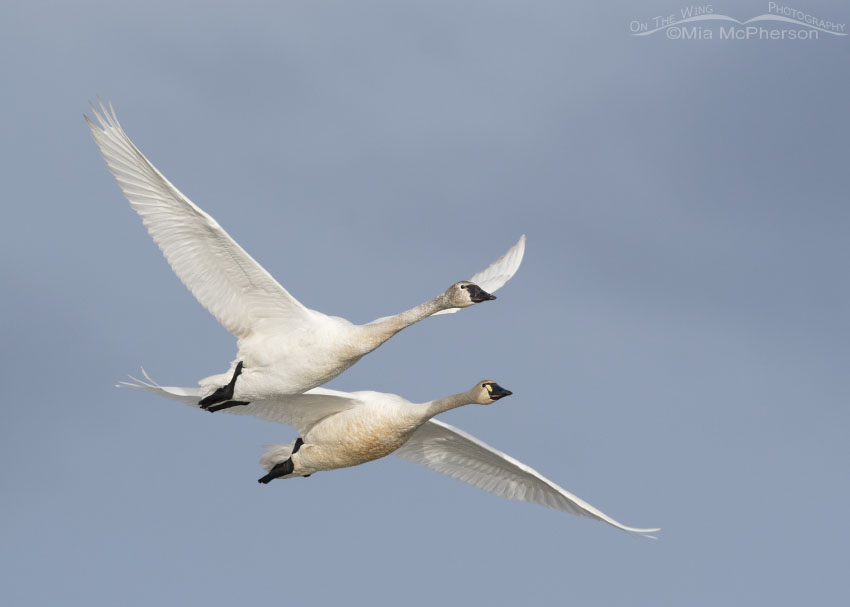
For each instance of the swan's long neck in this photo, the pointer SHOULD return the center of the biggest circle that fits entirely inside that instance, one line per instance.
(441, 405)
(379, 331)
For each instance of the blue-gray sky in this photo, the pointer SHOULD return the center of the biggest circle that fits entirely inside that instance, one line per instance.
(676, 339)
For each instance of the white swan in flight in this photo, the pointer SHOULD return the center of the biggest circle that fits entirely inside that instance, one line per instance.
(283, 347)
(341, 429)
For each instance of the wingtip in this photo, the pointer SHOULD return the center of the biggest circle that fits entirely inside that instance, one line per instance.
(645, 533)
(106, 117)
(148, 377)
(517, 253)
(96, 115)
(517, 250)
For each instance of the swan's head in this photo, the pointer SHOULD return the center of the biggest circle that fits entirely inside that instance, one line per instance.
(464, 293)
(487, 392)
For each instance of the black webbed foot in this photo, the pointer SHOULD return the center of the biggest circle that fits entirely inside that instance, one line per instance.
(283, 468)
(223, 394)
(227, 405)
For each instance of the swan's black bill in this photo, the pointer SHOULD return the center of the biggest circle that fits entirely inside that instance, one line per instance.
(477, 294)
(496, 391)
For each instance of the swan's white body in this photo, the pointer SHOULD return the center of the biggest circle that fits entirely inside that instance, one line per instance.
(285, 347)
(342, 429)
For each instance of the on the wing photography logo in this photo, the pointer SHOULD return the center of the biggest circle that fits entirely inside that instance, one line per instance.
(701, 22)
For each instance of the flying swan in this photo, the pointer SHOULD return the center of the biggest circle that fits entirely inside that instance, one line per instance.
(342, 429)
(283, 347)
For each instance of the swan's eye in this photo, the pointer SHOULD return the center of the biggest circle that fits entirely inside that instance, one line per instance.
(462, 286)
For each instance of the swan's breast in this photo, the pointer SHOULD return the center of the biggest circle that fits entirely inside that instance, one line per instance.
(292, 362)
(357, 436)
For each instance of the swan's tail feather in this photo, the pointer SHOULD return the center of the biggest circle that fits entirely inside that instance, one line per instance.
(190, 396)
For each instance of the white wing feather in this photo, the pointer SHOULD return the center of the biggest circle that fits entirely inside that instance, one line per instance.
(301, 411)
(451, 451)
(227, 281)
(493, 277)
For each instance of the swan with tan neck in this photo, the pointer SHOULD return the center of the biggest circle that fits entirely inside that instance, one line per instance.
(342, 429)
(283, 347)
(379, 425)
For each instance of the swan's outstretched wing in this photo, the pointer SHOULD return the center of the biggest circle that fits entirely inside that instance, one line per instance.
(493, 277)
(451, 451)
(301, 411)
(219, 273)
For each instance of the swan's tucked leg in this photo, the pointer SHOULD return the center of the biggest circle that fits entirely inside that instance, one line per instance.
(283, 468)
(223, 394)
